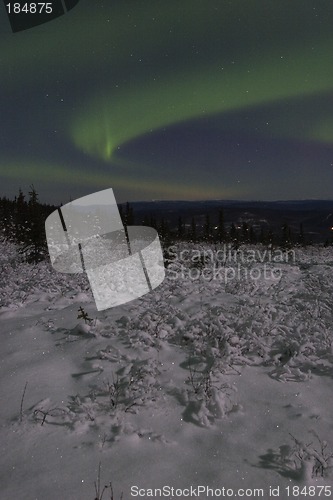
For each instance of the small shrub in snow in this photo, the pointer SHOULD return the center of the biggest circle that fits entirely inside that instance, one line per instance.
(83, 315)
(114, 391)
(312, 460)
(213, 398)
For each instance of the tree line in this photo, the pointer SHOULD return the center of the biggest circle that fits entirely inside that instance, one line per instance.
(216, 230)
(22, 220)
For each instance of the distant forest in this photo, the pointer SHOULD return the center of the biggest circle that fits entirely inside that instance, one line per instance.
(23, 221)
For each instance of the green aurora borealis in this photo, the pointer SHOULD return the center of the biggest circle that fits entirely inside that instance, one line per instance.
(111, 120)
(191, 100)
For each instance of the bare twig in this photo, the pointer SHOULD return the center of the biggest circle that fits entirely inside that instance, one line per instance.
(22, 399)
(45, 413)
(98, 492)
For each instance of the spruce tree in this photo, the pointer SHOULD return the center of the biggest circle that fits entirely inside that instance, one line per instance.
(193, 230)
(233, 233)
(21, 219)
(252, 235)
(35, 241)
(245, 232)
(301, 238)
(220, 228)
(180, 229)
(286, 236)
(207, 229)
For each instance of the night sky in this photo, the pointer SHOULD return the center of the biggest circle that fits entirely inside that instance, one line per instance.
(190, 99)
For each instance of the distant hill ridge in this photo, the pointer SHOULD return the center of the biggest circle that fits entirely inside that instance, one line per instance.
(315, 216)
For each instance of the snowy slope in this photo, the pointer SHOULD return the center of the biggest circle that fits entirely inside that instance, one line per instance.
(202, 382)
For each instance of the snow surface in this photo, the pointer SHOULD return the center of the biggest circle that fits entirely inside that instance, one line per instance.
(200, 382)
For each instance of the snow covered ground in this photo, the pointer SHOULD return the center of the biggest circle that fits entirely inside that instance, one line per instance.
(220, 378)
